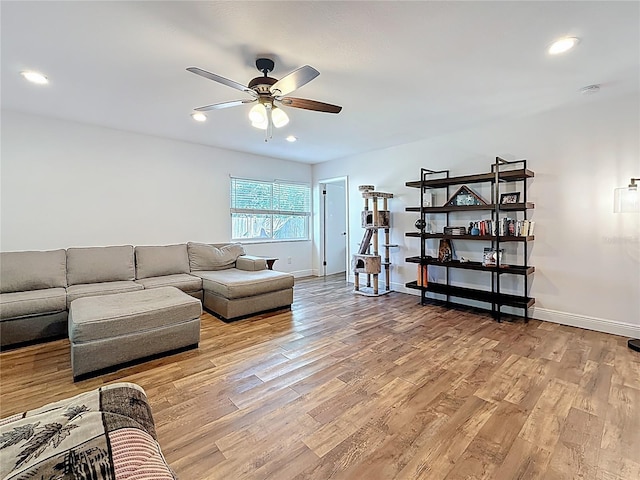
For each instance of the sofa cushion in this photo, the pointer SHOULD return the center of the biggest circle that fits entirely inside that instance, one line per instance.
(204, 257)
(20, 271)
(110, 316)
(156, 261)
(100, 264)
(96, 289)
(236, 283)
(183, 281)
(32, 302)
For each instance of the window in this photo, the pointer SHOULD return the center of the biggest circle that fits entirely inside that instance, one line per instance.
(269, 210)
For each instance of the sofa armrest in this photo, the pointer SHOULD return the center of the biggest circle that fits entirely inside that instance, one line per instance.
(251, 263)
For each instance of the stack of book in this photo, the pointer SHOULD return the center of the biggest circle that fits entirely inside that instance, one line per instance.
(516, 228)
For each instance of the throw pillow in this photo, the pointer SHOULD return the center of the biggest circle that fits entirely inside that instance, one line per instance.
(203, 257)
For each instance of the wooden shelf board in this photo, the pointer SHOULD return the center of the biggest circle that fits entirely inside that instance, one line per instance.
(507, 175)
(507, 207)
(474, 294)
(509, 238)
(511, 269)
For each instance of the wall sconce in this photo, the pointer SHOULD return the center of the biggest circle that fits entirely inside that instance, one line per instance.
(625, 199)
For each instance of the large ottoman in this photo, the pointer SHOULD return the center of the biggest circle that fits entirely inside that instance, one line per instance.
(233, 293)
(108, 330)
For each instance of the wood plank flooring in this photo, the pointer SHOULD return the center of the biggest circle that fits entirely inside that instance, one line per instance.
(350, 387)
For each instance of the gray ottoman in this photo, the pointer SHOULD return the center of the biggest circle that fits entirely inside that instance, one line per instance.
(108, 330)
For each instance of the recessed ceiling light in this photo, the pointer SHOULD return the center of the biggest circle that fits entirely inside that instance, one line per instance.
(35, 77)
(199, 117)
(291, 138)
(563, 44)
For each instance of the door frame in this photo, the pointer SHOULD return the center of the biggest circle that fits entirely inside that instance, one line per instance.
(323, 213)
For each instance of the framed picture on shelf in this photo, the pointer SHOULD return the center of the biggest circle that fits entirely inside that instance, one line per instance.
(491, 258)
(507, 198)
(465, 197)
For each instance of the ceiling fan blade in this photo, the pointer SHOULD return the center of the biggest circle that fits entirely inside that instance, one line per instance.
(219, 106)
(309, 105)
(222, 80)
(294, 80)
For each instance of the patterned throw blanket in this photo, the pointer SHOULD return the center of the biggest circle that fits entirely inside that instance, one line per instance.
(102, 434)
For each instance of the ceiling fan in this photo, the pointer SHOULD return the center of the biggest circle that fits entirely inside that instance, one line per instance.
(269, 94)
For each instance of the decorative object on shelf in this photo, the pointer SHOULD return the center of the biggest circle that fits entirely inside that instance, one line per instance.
(473, 229)
(420, 224)
(427, 199)
(368, 261)
(627, 199)
(465, 197)
(454, 231)
(464, 260)
(491, 257)
(445, 250)
(507, 198)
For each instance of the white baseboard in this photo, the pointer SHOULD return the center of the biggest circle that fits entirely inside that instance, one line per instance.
(589, 323)
(563, 318)
(302, 273)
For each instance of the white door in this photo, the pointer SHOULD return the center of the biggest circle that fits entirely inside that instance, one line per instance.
(335, 227)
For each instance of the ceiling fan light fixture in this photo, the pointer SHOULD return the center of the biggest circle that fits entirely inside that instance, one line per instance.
(279, 117)
(261, 125)
(258, 115)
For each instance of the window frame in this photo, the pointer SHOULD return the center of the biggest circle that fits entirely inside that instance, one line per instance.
(274, 186)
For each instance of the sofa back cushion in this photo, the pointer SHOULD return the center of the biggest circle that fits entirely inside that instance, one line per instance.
(100, 264)
(205, 257)
(156, 261)
(24, 271)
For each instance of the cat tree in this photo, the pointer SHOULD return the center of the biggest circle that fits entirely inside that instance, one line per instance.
(367, 261)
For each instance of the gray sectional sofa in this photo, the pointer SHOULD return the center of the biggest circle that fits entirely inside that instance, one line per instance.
(37, 288)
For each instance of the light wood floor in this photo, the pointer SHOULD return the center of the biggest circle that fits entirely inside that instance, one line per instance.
(345, 386)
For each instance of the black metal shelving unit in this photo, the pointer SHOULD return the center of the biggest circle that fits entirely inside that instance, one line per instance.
(502, 172)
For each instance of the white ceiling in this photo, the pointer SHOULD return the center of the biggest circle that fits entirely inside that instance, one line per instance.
(403, 71)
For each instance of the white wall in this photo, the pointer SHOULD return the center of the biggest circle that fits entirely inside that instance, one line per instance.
(66, 184)
(587, 258)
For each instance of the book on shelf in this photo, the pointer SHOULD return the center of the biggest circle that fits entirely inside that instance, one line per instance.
(423, 278)
(530, 230)
(455, 230)
(510, 227)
